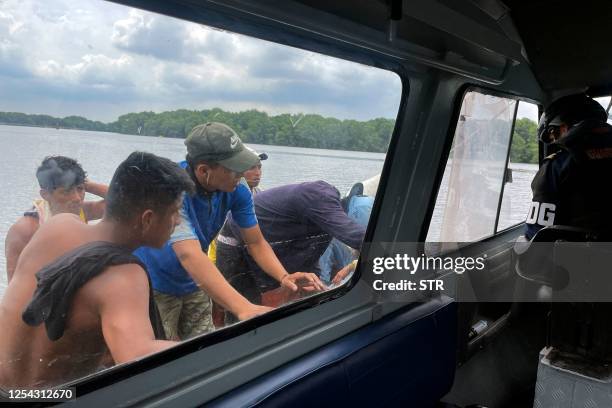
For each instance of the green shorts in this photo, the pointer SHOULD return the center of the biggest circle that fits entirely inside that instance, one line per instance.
(185, 316)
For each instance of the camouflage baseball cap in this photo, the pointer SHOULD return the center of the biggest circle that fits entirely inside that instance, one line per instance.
(218, 143)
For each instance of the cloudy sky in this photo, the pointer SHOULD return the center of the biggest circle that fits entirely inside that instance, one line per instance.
(100, 60)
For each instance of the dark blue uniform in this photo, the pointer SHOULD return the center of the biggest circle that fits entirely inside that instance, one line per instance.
(299, 221)
(573, 185)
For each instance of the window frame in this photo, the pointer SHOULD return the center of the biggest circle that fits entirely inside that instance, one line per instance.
(540, 157)
(450, 136)
(505, 177)
(118, 373)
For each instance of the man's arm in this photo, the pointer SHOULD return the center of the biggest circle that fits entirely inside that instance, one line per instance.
(209, 279)
(325, 210)
(17, 238)
(344, 272)
(94, 210)
(122, 297)
(265, 257)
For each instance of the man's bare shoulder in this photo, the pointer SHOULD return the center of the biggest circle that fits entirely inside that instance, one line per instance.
(61, 220)
(118, 281)
(17, 237)
(55, 237)
(22, 230)
(58, 227)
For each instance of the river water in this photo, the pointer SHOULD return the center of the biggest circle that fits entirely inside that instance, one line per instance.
(23, 148)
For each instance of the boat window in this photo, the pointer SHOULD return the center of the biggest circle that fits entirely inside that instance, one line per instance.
(96, 81)
(469, 196)
(522, 167)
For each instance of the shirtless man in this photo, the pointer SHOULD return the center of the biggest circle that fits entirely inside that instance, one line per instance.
(109, 313)
(63, 184)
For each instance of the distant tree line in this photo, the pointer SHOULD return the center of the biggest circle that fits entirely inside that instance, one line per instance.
(70, 122)
(253, 126)
(524, 142)
(258, 127)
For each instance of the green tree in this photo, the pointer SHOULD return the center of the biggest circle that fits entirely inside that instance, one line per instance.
(254, 127)
(524, 142)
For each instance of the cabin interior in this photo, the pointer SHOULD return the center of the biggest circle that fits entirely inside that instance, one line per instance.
(354, 346)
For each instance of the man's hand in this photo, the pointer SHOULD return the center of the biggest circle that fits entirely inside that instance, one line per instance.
(253, 311)
(343, 273)
(309, 282)
(263, 254)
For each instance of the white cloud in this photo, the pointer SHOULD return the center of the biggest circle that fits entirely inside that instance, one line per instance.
(527, 110)
(93, 70)
(9, 25)
(69, 56)
(12, 61)
(147, 34)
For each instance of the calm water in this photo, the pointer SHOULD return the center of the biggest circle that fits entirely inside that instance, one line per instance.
(23, 148)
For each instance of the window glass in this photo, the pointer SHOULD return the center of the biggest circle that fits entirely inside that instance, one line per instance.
(468, 199)
(95, 81)
(522, 167)
(606, 102)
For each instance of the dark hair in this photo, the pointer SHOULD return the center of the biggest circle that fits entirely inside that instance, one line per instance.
(145, 181)
(191, 166)
(194, 162)
(59, 171)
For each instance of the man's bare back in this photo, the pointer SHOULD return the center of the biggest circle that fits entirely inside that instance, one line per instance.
(23, 364)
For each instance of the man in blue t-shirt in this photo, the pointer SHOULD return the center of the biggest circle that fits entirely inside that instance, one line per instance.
(182, 275)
